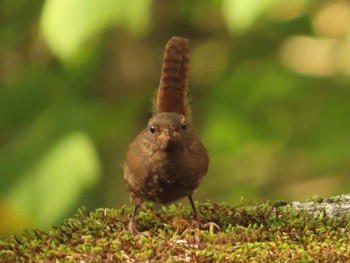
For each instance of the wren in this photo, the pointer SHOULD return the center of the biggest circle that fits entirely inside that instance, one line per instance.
(167, 161)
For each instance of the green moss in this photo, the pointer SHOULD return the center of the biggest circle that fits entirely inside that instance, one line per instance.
(263, 232)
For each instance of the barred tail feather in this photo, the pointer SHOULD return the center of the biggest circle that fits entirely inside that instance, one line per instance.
(172, 91)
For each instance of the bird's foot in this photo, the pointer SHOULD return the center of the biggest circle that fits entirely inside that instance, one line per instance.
(134, 231)
(207, 225)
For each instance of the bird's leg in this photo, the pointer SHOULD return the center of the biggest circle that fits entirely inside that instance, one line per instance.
(195, 216)
(132, 225)
(197, 220)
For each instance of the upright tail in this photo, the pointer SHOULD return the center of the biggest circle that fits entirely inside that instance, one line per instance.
(172, 92)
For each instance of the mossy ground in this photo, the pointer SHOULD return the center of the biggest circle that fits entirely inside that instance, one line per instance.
(264, 232)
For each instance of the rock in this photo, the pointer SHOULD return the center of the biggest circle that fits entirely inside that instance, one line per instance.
(337, 206)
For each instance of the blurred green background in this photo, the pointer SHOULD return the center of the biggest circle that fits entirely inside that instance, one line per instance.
(269, 81)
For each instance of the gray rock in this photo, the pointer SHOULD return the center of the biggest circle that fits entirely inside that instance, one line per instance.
(337, 206)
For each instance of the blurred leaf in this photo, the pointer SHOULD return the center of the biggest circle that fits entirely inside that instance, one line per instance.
(67, 25)
(50, 189)
(241, 15)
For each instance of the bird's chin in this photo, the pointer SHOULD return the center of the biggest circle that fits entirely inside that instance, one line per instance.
(168, 145)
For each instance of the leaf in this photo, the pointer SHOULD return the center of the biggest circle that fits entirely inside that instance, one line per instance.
(67, 25)
(241, 15)
(52, 187)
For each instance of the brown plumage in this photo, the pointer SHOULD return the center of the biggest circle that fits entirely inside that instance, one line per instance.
(167, 161)
(173, 86)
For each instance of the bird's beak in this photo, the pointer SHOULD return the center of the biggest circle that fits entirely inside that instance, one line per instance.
(168, 134)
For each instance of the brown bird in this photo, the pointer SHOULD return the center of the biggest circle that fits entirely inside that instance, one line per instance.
(167, 161)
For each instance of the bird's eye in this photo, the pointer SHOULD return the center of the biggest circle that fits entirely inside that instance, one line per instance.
(152, 129)
(184, 125)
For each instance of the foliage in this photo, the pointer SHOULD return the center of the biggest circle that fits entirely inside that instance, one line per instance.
(66, 35)
(262, 232)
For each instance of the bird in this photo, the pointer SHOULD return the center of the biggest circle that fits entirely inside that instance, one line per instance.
(167, 160)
